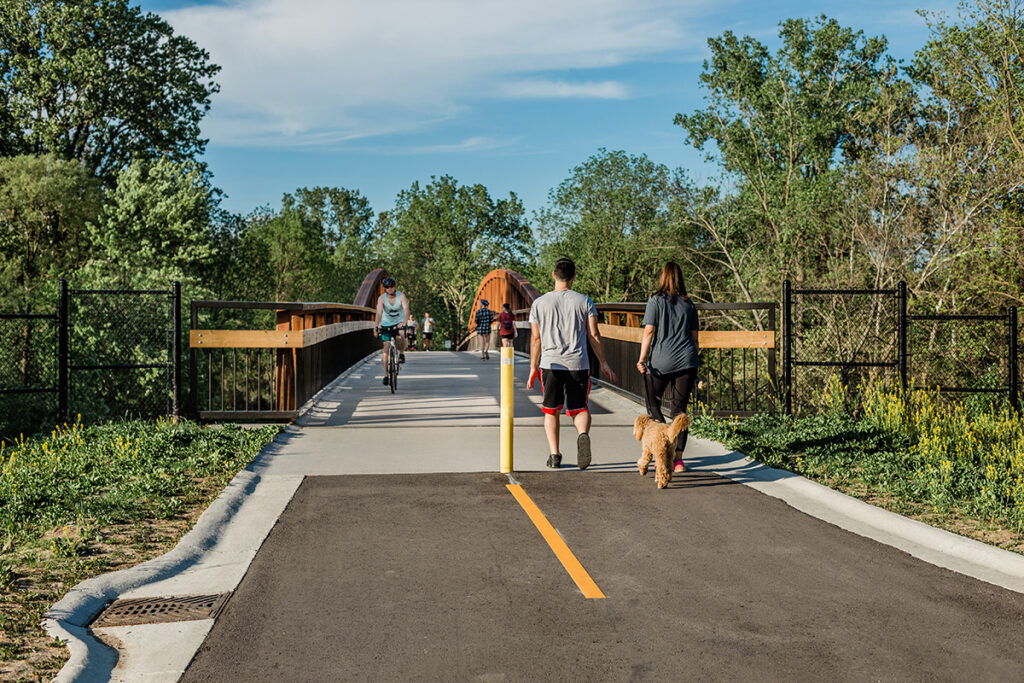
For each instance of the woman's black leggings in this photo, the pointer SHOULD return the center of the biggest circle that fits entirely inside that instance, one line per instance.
(682, 384)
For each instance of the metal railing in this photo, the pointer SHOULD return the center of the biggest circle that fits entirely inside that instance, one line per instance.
(260, 374)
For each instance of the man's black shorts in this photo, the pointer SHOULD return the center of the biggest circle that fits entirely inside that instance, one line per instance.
(567, 389)
(428, 335)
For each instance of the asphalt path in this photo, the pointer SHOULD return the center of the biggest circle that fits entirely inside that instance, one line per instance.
(375, 541)
(443, 576)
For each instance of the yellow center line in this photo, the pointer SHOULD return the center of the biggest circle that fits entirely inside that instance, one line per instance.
(561, 550)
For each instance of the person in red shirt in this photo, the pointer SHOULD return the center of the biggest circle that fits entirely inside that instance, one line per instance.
(507, 325)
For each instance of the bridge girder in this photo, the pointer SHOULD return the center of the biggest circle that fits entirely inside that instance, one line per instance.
(502, 286)
(371, 288)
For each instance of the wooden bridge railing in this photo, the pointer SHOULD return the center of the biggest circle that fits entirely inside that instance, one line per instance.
(269, 374)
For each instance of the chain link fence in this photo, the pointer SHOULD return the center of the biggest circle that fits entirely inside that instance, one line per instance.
(121, 353)
(864, 336)
(104, 354)
(28, 372)
(958, 353)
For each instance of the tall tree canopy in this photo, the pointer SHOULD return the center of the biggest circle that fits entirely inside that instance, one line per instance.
(346, 222)
(970, 155)
(284, 259)
(154, 228)
(785, 127)
(611, 215)
(46, 205)
(100, 82)
(443, 238)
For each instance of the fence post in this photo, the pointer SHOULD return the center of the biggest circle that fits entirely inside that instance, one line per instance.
(62, 352)
(901, 333)
(193, 365)
(787, 345)
(1014, 375)
(176, 349)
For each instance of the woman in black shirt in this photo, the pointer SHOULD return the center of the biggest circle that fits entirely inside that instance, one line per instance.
(668, 350)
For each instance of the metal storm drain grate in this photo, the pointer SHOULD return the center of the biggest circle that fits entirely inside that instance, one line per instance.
(160, 610)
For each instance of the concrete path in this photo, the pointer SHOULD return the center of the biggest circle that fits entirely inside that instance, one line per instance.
(427, 568)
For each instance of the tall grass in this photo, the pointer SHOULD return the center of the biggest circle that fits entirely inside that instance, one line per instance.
(82, 501)
(963, 454)
(113, 473)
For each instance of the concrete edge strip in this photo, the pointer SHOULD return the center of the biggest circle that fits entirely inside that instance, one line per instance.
(68, 617)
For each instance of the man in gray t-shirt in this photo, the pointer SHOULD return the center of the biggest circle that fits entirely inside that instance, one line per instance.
(562, 323)
(562, 317)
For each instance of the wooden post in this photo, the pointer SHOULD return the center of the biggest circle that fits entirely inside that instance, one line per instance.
(285, 369)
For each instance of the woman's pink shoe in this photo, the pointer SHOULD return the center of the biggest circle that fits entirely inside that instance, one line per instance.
(678, 466)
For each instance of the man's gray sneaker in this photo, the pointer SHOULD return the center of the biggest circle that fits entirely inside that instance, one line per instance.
(583, 451)
(555, 461)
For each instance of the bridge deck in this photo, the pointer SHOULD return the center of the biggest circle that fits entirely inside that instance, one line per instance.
(425, 567)
(443, 418)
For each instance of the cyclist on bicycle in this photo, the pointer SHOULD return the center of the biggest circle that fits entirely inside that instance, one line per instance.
(392, 312)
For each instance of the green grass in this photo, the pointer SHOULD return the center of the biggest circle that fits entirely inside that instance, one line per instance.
(87, 500)
(915, 449)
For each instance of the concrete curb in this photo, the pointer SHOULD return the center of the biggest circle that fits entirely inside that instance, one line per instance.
(67, 619)
(90, 660)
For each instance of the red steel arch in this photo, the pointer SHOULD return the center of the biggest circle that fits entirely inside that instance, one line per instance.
(370, 289)
(502, 286)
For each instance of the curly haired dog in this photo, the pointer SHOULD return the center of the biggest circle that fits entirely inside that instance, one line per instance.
(659, 443)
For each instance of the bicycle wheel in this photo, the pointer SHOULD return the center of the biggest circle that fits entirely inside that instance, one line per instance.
(393, 370)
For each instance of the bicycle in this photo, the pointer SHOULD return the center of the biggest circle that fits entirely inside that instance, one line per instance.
(393, 354)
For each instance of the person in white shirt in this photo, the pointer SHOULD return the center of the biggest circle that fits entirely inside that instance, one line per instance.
(428, 331)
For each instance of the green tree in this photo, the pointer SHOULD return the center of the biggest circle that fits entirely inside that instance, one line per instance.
(970, 155)
(611, 216)
(100, 82)
(284, 258)
(45, 207)
(346, 223)
(444, 238)
(785, 127)
(155, 226)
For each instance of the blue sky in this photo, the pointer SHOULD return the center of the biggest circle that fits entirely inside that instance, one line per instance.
(377, 94)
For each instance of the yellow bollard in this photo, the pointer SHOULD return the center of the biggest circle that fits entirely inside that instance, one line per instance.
(507, 380)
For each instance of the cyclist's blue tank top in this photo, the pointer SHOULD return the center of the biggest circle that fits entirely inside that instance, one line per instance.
(394, 314)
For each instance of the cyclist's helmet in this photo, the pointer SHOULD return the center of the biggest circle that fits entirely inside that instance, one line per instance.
(388, 282)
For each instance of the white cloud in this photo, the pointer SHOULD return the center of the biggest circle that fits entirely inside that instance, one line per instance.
(473, 144)
(604, 90)
(327, 71)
